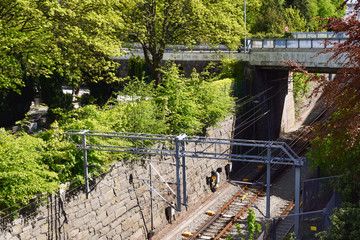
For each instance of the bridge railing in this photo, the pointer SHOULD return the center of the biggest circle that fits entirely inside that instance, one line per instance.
(293, 43)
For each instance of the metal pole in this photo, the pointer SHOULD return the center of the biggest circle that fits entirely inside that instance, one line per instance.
(274, 229)
(184, 173)
(177, 157)
(86, 172)
(151, 199)
(268, 168)
(297, 200)
(245, 25)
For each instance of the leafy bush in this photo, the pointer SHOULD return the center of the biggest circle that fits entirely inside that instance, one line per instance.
(33, 164)
(301, 86)
(344, 224)
(137, 68)
(192, 104)
(24, 171)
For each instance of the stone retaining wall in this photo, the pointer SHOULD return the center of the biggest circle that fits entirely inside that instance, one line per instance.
(117, 209)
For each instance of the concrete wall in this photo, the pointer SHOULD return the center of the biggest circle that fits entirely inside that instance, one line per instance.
(186, 66)
(288, 114)
(115, 208)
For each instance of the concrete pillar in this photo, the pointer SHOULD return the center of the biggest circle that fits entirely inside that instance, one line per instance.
(288, 114)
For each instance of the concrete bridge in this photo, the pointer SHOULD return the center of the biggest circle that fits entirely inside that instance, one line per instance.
(264, 53)
(264, 71)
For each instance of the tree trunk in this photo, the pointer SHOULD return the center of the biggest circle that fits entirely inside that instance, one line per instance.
(155, 70)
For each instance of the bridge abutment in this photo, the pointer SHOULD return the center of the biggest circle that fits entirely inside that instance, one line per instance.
(272, 101)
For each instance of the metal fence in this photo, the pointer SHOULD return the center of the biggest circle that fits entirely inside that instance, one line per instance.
(294, 43)
(319, 202)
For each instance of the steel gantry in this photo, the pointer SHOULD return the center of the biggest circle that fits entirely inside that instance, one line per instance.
(265, 152)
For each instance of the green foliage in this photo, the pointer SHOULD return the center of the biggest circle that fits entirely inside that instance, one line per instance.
(267, 19)
(137, 68)
(295, 20)
(190, 105)
(290, 236)
(323, 9)
(344, 224)
(38, 37)
(36, 164)
(238, 230)
(333, 153)
(23, 169)
(156, 24)
(301, 86)
(229, 237)
(254, 228)
(231, 68)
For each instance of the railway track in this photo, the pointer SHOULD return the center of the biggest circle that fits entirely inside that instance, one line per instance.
(222, 222)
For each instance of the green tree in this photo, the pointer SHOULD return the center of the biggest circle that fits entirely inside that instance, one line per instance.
(269, 19)
(301, 5)
(295, 20)
(319, 9)
(156, 24)
(37, 37)
(341, 227)
(23, 42)
(73, 39)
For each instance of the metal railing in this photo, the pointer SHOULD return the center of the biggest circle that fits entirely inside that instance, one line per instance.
(292, 43)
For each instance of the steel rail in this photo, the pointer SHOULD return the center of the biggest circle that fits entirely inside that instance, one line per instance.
(240, 213)
(218, 214)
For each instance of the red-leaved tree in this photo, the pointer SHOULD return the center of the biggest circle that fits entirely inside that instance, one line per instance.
(335, 142)
(341, 95)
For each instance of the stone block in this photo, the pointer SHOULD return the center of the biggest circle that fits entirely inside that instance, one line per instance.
(16, 230)
(25, 235)
(131, 204)
(120, 211)
(98, 227)
(138, 235)
(127, 224)
(81, 212)
(101, 215)
(44, 228)
(82, 235)
(41, 237)
(118, 229)
(110, 218)
(95, 204)
(89, 217)
(104, 230)
(36, 232)
(7, 235)
(111, 234)
(126, 234)
(117, 237)
(73, 233)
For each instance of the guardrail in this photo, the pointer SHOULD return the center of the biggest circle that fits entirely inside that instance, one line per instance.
(293, 43)
(279, 43)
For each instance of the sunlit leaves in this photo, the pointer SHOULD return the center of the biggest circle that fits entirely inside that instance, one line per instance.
(39, 37)
(156, 24)
(22, 170)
